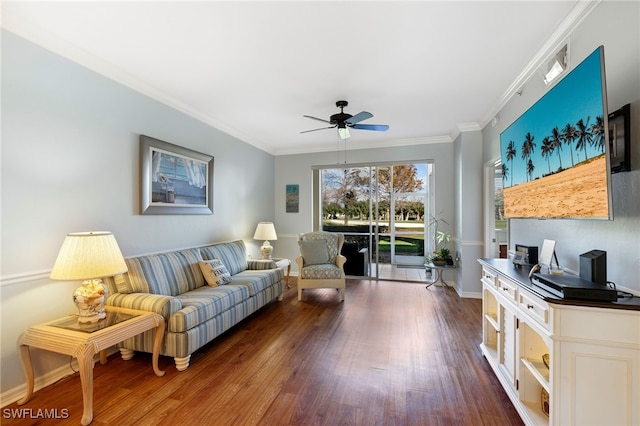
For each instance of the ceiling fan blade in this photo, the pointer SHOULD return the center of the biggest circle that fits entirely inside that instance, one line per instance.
(316, 118)
(321, 128)
(376, 127)
(358, 117)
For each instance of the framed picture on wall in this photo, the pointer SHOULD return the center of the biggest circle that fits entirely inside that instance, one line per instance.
(174, 180)
(292, 199)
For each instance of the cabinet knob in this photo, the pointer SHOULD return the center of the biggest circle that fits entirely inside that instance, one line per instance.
(529, 306)
(505, 289)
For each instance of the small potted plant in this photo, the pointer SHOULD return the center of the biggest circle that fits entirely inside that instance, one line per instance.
(441, 257)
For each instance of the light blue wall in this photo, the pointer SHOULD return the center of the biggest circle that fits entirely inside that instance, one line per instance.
(616, 26)
(70, 162)
(469, 217)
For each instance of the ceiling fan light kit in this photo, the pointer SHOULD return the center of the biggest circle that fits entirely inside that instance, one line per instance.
(344, 121)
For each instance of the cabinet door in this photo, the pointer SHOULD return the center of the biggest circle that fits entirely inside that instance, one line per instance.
(598, 385)
(507, 342)
(490, 323)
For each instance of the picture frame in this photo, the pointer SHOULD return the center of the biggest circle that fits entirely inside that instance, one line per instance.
(547, 253)
(620, 139)
(174, 179)
(292, 198)
(518, 258)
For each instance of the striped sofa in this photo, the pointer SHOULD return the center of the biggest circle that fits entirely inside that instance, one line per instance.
(172, 285)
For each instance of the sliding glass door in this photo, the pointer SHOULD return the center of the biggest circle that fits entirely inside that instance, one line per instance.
(381, 210)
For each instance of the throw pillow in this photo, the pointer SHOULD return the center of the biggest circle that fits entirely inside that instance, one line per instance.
(215, 273)
(314, 252)
(122, 284)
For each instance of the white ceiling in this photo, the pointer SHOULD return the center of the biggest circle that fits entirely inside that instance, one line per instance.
(252, 69)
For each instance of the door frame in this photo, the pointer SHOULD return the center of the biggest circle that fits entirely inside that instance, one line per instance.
(489, 189)
(374, 236)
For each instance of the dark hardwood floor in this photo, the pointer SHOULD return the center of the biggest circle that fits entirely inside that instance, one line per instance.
(392, 354)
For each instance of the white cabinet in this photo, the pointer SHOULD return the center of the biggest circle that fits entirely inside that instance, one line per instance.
(560, 363)
(508, 362)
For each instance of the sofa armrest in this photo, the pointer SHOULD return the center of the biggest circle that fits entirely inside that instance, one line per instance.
(261, 264)
(158, 303)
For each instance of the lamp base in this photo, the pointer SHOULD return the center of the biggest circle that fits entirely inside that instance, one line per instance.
(89, 299)
(266, 249)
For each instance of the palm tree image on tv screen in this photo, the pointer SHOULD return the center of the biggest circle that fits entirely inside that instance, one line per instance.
(554, 157)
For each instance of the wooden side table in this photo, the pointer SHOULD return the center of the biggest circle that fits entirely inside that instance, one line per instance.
(284, 263)
(83, 341)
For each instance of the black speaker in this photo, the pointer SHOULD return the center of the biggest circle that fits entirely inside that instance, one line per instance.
(593, 266)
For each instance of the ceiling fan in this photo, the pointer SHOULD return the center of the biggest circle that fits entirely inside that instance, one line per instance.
(345, 121)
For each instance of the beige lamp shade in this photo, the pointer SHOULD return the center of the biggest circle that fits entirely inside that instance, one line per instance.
(87, 256)
(265, 231)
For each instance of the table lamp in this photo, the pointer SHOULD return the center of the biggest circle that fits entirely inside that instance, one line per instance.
(265, 231)
(89, 256)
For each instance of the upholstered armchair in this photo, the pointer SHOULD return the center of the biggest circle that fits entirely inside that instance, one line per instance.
(320, 264)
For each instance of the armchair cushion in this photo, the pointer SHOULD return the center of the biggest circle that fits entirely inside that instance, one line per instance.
(314, 252)
(321, 272)
(329, 238)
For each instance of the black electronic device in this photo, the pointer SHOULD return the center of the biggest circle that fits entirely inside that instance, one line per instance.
(593, 266)
(530, 252)
(574, 287)
(620, 139)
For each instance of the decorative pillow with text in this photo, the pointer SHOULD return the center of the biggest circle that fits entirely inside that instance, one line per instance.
(215, 273)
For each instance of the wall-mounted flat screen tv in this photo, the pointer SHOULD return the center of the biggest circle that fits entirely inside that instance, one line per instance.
(555, 157)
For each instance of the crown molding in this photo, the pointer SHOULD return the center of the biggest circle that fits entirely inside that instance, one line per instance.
(354, 145)
(469, 127)
(560, 35)
(37, 35)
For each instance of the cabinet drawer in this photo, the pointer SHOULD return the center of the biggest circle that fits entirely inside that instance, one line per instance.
(508, 289)
(537, 308)
(489, 277)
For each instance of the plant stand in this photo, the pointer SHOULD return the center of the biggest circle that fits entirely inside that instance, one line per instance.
(439, 269)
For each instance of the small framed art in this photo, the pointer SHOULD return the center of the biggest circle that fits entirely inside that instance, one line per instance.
(292, 200)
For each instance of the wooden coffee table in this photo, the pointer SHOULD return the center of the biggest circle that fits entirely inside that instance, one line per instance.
(83, 341)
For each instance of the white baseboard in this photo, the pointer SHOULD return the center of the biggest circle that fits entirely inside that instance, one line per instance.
(12, 395)
(471, 295)
(40, 382)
